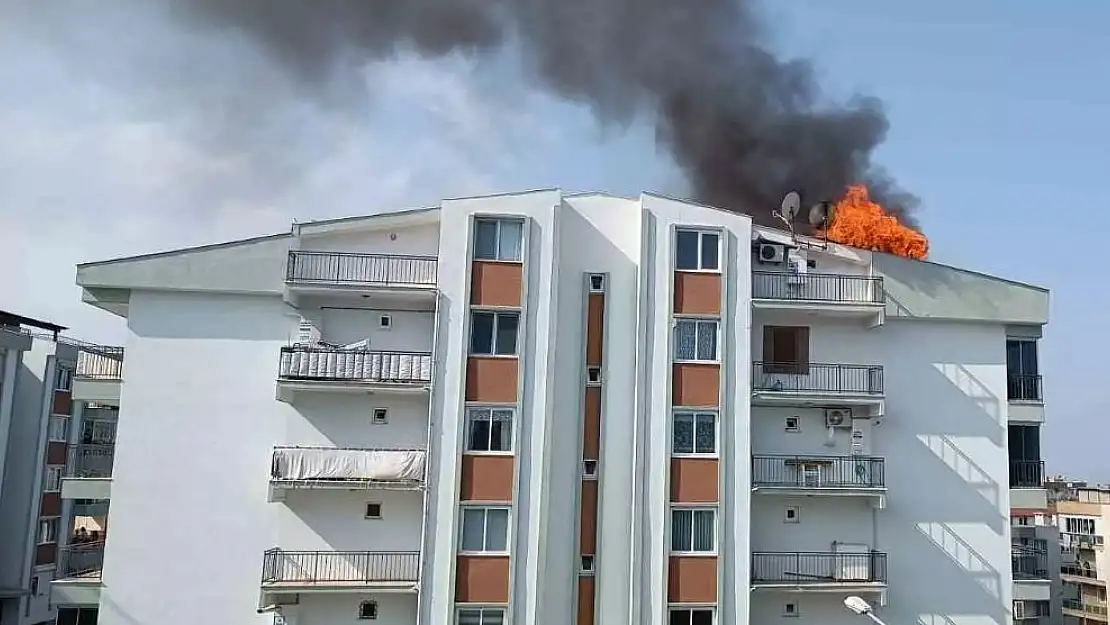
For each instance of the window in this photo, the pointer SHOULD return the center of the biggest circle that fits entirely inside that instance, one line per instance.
(1023, 380)
(48, 531)
(695, 340)
(481, 616)
(485, 530)
(791, 515)
(694, 433)
(691, 616)
(697, 250)
(381, 416)
(1025, 443)
(489, 429)
(589, 469)
(786, 349)
(98, 432)
(597, 283)
(58, 428)
(790, 610)
(52, 479)
(373, 510)
(494, 333)
(498, 239)
(793, 424)
(587, 564)
(63, 379)
(368, 610)
(1074, 525)
(385, 322)
(693, 530)
(593, 375)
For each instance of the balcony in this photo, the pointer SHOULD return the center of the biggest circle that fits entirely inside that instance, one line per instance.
(819, 475)
(88, 472)
(78, 578)
(811, 384)
(843, 295)
(98, 374)
(1026, 474)
(1028, 563)
(1081, 575)
(819, 571)
(1023, 387)
(358, 571)
(319, 368)
(297, 468)
(1090, 608)
(339, 273)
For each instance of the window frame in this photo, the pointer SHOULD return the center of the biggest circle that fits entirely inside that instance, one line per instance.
(485, 508)
(802, 360)
(481, 609)
(63, 379)
(364, 604)
(497, 314)
(694, 414)
(498, 222)
(692, 509)
(698, 322)
(57, 418)
(701, 234)
(54, 485)
(691, 609)
(489, 409)
(47, 522)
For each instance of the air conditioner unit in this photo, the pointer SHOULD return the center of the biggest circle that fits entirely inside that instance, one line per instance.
(838, 417)
(771, 253)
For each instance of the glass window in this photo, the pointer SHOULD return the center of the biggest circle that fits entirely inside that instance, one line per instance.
(63, 379)
(481, 616)
(48, 531)
(489, 429)
(494, 333)
(694, 433)
(485, 530)
(696, 250)
(691, 616)
(58, 428)
(498, 239)
(52, 479)
(693, 530)
(695, 340)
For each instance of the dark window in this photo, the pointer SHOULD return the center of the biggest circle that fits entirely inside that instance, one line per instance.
(1025, 442)
(490, 429)
(494, 333)
(498, 239)
(368, 610)
(1022, 370)
(786, 349)
(696, 250)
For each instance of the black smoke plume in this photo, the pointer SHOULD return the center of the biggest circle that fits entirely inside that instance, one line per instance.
(744, 126)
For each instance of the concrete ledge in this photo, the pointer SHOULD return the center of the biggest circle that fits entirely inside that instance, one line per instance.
(1025, 412)
(100, 391)
(15, 341)
(1032, 590)
(1036, 498)
(75, 591)
(86, 488)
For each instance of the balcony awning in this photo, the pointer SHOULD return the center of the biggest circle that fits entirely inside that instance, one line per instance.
(348, 465)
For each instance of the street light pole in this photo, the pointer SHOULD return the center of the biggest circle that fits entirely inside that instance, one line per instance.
(861, 607)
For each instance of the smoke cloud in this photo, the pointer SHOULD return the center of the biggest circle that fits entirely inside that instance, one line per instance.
(743, 125)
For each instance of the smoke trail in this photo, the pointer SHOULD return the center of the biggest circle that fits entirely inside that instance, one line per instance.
(743, 125)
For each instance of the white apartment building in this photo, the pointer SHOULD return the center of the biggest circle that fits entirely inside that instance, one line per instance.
(543, 408)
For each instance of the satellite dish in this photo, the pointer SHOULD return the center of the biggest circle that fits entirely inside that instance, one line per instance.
(791, 205)
(821, 214)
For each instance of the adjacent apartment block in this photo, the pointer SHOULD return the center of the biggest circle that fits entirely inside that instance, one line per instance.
(1082, 512)
(541, 408)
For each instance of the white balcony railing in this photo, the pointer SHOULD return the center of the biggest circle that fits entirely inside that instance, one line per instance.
(332, 364)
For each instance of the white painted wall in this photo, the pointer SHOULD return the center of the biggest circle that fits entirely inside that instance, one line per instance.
(420, 240)
(342, 609)
(335, 520)
(410, 331)
(341, 420)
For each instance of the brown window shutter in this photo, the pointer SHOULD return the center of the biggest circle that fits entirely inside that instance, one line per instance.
(768, 349)
(801, 336)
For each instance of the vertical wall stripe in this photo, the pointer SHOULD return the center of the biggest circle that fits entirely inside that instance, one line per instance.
(593, 382)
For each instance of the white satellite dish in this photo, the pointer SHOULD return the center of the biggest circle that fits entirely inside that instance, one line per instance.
(821, 214)
(791, 205)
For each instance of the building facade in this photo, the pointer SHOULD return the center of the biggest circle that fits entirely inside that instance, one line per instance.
(548, 408)
(1082, 512)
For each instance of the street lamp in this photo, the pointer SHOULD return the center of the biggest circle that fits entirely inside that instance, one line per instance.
(861, 607)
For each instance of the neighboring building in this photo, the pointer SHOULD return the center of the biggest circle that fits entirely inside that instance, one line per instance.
(540, 408)
(1082, 513)
(36, 372)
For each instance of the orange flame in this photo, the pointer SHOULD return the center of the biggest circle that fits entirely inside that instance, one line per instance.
(861, 223)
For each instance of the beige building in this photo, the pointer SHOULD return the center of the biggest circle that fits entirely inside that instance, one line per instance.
(1082, 513)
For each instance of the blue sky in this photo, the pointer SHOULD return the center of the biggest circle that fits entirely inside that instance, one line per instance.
(997, 117)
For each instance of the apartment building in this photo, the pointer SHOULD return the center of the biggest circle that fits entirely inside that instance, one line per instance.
(36, 373)
(1081, 512)
(541, 408)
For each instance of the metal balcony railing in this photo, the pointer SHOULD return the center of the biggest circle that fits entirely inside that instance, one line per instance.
(333, 364)
(339, 567)
(81, 560)
(779, 377)
(1028, 563)
(1079, 571)
(1026, 474)
(348, 269)
(818, 472)
(1023, 387)
(90, 460)
(817, 287)
(100, 363)
(818, 568)
(1090, 607)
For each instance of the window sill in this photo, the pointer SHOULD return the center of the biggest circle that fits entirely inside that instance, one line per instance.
(678, 361)
(693, 554)
(709, 271)
(498, 454)
(695, 456)
(484, 554)
(495, 356)
(499, 261)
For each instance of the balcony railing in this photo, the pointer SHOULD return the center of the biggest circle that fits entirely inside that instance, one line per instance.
(100, 363)
(83, 560)
(347, 269)
(1028, 563)
(333, 364)
(817, 378)
(1026, 474)
(90, 460)
(308, 568)
(401, 468)
(1079, 571)
(1090, 607)
(817, 287)
(1023, 387)
(818, 568)
(818, 472)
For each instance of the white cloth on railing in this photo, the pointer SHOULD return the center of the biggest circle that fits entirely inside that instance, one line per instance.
(379, 465)
(357, 365)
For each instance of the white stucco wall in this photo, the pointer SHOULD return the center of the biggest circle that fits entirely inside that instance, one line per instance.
(342, 609)
(422, 240)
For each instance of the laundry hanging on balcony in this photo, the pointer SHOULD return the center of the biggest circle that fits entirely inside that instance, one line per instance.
(355, 365)
(348, 465)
